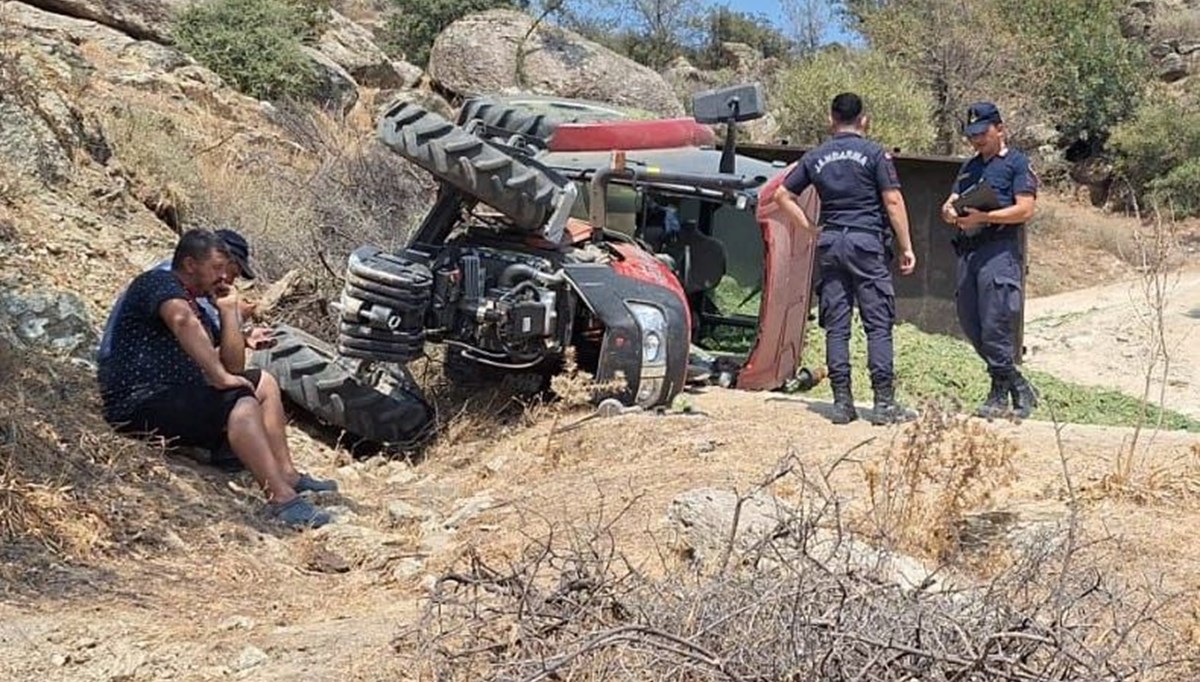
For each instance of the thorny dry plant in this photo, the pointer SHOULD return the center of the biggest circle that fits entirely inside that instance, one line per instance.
(1159, 274)
(920, 487)
(572, 606)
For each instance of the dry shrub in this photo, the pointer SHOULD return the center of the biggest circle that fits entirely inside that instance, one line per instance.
(72, 492)
(1182, 24)
(920, 489)
(572, 605)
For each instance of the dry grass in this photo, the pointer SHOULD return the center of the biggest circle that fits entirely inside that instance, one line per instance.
(305, 193)
(920, 489)
(1183, 24)
(1086, 229)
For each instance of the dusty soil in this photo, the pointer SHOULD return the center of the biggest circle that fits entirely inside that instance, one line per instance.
(1102, 337)
(236, 598)
(220, 594)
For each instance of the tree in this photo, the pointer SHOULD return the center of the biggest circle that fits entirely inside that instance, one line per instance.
(722, 25)
(808, 20)
(956, 50)
(899, 109)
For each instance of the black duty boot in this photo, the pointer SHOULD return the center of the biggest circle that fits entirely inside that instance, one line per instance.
(887, 410)
(1024, 396)
(997, 401)
(843, 406)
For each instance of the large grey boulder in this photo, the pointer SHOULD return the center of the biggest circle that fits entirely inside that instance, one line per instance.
(351, 47)
(771, 533)
(141, 19)
(54, 321)
(336, 88)
(478, 54)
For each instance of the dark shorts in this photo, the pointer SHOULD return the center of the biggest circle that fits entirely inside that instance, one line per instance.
(195, 416)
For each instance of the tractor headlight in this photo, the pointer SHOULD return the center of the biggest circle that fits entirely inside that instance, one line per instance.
(653, 326)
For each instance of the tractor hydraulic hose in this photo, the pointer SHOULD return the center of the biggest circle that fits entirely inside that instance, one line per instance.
(509, 275)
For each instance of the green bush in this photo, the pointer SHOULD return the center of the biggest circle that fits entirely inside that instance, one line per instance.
(1082, 71)
(900, 112)
(1157, 151)
(412, 25)
(254, 44)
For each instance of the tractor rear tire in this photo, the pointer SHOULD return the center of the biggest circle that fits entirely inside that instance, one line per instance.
(524, 193)
(496, 115)
(312, 378)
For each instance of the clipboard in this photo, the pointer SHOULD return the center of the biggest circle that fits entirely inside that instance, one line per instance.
(980, 196)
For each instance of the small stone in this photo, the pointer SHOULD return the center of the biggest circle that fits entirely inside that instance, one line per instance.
(60, 660)
(407, 568)
(250, 657)
(236, 623)
(469, 509)
(402, 477)
(401, 513)
(87, 643)
(324, 560)
(496, 464)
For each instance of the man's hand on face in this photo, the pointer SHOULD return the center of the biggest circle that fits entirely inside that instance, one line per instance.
(260, 337)
(225, 296)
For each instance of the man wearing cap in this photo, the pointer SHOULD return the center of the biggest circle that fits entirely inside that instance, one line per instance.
(861, 205)
(233, 346)
(164, 377)
(990, 262)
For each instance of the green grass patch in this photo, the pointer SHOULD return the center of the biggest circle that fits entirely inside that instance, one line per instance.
(939, 367)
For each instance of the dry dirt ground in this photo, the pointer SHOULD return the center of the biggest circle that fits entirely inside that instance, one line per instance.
(231, 598)
(211, 591)
(1099, 337)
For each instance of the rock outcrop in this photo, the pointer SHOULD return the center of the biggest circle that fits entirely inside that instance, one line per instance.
(501, 50)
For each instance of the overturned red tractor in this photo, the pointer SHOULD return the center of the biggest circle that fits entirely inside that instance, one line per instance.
(646, 249)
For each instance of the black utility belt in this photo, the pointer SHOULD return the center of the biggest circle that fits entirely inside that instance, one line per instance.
(963, 242)
(851, 228)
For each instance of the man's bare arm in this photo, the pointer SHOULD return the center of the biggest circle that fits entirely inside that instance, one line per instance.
(1019, 212)
(897, 211)
(190, 332)
(233, 341)
(787, 203)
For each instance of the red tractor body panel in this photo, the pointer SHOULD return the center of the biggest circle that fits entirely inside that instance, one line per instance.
(630, 135)
(787, 276)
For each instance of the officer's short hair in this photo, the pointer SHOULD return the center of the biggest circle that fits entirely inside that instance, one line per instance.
(198, 244)
(846, 108)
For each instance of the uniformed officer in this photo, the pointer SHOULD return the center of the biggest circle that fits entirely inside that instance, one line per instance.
(860, 196)
(990, 260)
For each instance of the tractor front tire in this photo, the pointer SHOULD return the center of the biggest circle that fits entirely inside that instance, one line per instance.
(313, 378)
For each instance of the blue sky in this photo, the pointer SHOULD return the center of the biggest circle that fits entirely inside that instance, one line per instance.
(774, 10)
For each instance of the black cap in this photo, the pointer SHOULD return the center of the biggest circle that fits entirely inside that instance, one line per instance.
(239, 250)
(979, 116)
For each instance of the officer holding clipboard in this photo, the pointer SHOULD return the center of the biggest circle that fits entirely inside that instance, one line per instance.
(992, 199)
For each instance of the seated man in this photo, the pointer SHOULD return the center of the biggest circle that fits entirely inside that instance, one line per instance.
(164, 376)
(238, 268)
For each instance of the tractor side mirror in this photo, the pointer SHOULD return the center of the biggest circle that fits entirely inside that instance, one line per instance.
(737, 102)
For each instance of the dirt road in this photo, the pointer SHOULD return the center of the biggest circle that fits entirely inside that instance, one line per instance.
(1101, 336)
